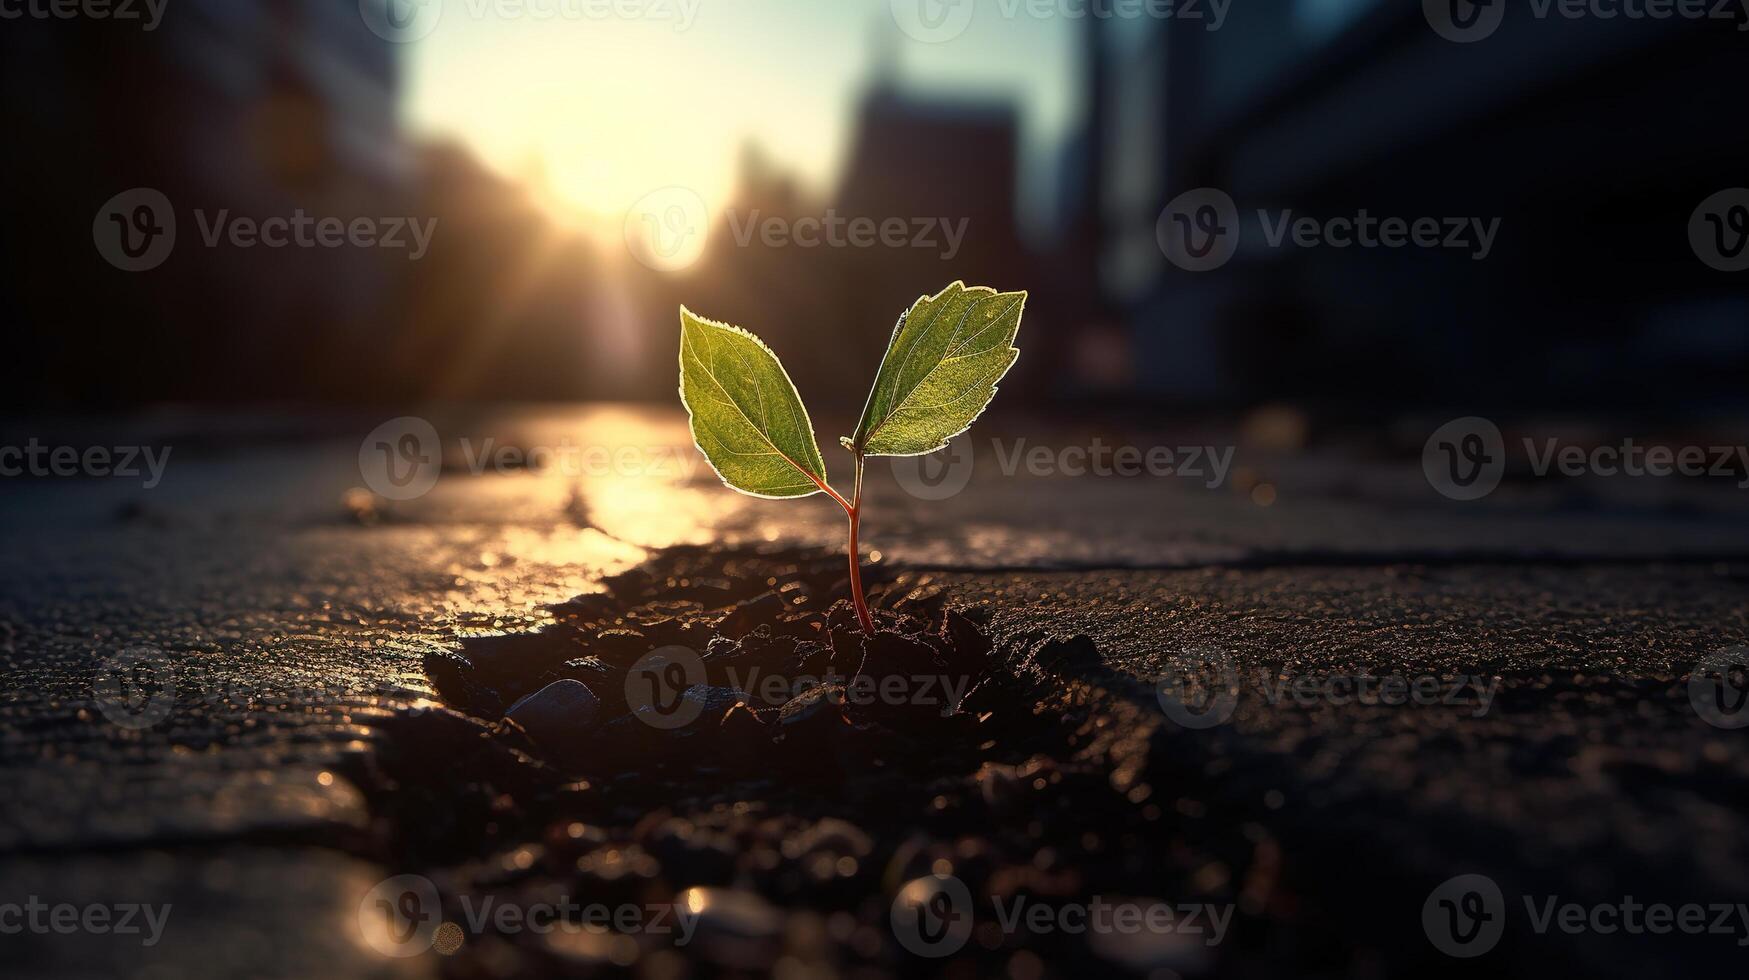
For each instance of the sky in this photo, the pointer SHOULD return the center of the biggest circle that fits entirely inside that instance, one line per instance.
(601, 110)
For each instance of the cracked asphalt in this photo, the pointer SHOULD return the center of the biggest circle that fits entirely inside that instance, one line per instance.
(1544, 734)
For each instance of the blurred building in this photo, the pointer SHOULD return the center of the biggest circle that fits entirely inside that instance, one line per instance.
(260, 109)
(240, 108)
(944, 167)
(955, 160)
(1592, 140)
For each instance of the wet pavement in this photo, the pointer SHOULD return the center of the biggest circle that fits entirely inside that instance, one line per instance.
(205, 680)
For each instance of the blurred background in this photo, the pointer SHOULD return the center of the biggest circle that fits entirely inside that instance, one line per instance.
(374, 269)
(590, 168)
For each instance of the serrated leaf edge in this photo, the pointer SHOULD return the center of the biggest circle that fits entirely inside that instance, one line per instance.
(819, 487)
(848, 442)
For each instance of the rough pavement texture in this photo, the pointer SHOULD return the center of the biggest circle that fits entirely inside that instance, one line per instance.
(293, 618)
(1588, 775)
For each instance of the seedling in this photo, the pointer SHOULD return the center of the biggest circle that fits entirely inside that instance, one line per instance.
(939, 374)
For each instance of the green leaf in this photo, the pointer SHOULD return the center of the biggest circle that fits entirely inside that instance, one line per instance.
(941, 369)
(746, 416)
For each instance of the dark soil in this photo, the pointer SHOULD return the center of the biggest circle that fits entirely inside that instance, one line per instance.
(804, 813)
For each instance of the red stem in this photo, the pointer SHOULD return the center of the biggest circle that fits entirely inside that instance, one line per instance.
(854, 512)
(856, 595)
